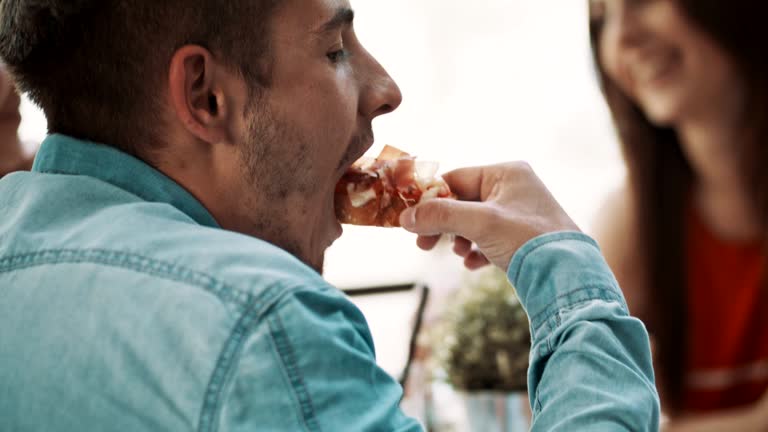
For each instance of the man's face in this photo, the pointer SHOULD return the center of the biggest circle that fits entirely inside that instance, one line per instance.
(310, 125)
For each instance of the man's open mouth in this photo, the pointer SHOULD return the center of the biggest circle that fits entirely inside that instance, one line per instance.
(357, 147)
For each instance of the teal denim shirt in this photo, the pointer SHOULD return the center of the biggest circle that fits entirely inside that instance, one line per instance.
(125, 307)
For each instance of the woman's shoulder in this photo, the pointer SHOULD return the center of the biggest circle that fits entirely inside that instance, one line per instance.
(615, 229)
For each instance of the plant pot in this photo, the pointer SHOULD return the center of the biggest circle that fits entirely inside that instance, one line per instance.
(497, 412)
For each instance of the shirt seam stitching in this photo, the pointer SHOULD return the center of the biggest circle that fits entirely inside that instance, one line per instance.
(551, 309)
(252, 307)
(130, 261)
(544, 241)
(224, 368)
(288, 362)
(287, 377)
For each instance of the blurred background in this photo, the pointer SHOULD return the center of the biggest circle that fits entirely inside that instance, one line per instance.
(483, 82)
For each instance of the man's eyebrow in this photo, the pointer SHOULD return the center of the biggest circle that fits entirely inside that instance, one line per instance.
(344, 16)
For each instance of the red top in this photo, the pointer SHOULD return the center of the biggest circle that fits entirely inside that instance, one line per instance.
(727, 364)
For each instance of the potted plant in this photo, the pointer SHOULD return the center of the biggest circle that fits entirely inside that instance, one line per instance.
(482, 345)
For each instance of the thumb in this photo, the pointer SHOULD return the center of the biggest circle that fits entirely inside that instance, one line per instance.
(446, 216)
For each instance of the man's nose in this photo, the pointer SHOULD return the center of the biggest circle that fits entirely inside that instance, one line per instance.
(380, 95)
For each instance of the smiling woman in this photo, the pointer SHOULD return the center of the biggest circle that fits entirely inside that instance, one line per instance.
(687, 87)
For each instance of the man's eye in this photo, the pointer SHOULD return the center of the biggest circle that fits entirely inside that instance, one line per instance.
(338, 55)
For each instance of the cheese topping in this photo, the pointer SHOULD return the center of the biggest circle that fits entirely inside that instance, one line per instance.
(431, 193)
(426, 170)
(359, 199)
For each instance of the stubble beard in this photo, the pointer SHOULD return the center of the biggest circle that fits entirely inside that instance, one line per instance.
(277, 174)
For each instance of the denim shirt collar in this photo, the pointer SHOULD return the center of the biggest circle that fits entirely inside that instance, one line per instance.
(60, 154)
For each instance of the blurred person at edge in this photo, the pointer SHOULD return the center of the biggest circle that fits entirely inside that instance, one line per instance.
(160, 264)
(12, 157)
(687, 84)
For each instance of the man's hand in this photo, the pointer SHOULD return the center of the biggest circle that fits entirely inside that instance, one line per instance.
(500, 208)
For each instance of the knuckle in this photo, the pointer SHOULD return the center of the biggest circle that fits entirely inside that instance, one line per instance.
(508, 166)
(516, 170)
(427, 213)
(524, 167)
(442, 214)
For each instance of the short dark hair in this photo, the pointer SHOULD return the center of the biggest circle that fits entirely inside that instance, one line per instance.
(97, 67)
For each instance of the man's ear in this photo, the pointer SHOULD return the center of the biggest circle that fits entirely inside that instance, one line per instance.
(196, 95)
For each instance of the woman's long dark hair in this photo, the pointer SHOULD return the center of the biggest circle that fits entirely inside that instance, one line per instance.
(661, 178)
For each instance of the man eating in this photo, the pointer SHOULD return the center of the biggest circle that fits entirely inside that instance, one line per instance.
(160, 265)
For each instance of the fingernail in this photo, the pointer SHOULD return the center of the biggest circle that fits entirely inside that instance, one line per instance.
(408, 218)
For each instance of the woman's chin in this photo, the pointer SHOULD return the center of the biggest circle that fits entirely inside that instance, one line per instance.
(662, 110)
(662, 115)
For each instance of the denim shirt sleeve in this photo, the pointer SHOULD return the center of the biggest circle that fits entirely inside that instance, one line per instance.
(315, 355)
(591, 366)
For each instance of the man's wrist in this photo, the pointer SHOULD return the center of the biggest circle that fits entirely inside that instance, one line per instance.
(560, 270)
